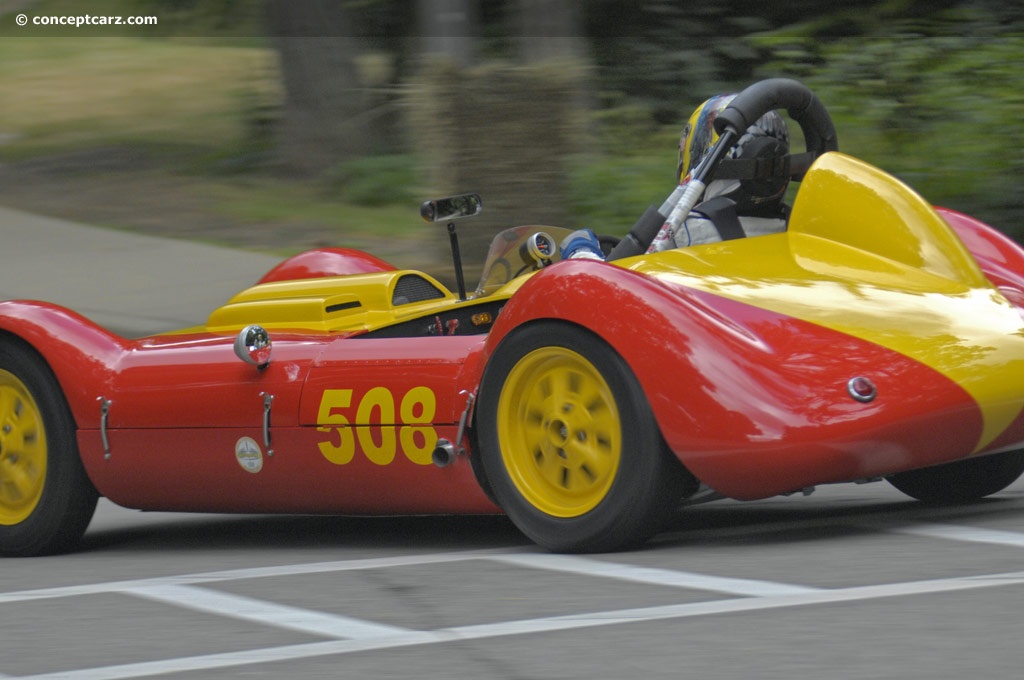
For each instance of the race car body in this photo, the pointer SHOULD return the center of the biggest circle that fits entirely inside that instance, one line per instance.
(876, 337)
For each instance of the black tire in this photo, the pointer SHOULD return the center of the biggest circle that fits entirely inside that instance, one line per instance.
(46, 499)
(963, 481)
(569, 445)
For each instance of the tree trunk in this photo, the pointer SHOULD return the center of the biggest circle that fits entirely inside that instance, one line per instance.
(448, 29)
(550, 29)
(326, 117)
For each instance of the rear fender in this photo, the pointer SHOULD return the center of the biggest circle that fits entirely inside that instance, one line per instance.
(81, 354)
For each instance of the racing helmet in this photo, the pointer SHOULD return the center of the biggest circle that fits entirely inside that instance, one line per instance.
(764, 148)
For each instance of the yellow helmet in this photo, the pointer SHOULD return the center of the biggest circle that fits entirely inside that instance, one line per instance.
(766, 140)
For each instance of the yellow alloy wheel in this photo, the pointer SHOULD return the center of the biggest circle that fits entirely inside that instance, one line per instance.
(560, 432)
(569, 447)
(22, 451)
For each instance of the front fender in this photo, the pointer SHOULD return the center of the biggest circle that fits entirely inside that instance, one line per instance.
(752, 401)
(80, 353)
(653, 328)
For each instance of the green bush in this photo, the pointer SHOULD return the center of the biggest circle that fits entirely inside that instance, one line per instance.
(609, 193)
(374, 180)
(941, 112)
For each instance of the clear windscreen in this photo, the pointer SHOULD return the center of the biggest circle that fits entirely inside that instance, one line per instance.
(505, 260)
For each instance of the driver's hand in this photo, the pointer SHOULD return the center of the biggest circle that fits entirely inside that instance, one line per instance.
(581, 244)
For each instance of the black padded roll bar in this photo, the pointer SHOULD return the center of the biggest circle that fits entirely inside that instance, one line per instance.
(781, 93)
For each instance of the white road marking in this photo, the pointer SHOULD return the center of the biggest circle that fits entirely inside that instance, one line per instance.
(954, 532)
(255, 572)
(356, 635)
(267, 613)
(659, 577)
(528, 626)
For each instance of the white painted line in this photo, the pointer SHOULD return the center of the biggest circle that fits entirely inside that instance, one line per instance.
(195, 663)
(530, 626)
(238, 574)
(267, 613)
(954, 532)
(650, 576)
(666, 577)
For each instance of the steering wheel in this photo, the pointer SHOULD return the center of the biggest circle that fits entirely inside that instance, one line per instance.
(802, 105)
(743, 111)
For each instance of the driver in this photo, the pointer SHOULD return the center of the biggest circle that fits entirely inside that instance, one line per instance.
(744, 199)
(733, 207)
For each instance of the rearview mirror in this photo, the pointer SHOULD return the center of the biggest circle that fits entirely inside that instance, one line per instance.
(452, 208)
(252, 345)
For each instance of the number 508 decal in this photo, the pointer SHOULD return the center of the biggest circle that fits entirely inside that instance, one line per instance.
(416, 437)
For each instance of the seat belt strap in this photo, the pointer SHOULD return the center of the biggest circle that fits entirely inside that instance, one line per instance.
(722, 213)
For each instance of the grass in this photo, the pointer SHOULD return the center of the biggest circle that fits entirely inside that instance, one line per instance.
(185, 105)
(77, 92)
(265, 200)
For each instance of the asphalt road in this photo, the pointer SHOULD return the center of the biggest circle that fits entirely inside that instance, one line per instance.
(131, 283)
(851, 582)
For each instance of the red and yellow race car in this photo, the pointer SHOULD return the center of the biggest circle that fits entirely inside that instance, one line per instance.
(876, 337)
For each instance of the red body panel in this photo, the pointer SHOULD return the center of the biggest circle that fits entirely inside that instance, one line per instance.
(196, 470)
(1001, 258)
(184, 403)
(326, 262)
(197, 381)
(398, 364)
(80, 353)
(752, 402)
(180, 404)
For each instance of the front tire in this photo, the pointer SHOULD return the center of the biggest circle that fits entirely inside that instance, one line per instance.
(46, 499)
(569, 444)
(962, 481)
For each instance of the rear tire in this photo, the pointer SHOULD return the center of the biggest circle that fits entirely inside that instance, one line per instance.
(569, 444)
(46, 499)
(962, 481)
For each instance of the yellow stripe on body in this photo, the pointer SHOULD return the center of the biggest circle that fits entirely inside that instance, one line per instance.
(866, 256)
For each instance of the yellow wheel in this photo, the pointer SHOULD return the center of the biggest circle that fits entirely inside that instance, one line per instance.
(22, 451)
(568, 445)
(559, 424)
(46, 499)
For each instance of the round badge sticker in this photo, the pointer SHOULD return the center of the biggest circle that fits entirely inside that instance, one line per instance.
(249, 454)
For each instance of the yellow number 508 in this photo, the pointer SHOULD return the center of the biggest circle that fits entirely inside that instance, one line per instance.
(417, 438)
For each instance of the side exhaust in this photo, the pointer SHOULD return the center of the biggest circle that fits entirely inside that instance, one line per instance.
(444, 453)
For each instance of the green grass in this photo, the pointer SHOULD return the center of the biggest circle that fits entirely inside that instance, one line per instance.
(72, 93)
(187, 106)
(263, 199)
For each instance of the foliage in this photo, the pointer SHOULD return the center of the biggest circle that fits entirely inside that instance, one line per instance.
(931, 90)
(938, 101)
(205, 18)
(610, 193)
(374, 180)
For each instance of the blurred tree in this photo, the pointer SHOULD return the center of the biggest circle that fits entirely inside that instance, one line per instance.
(927, 88)
(328, 116)
(449, 29)
(549, 29)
